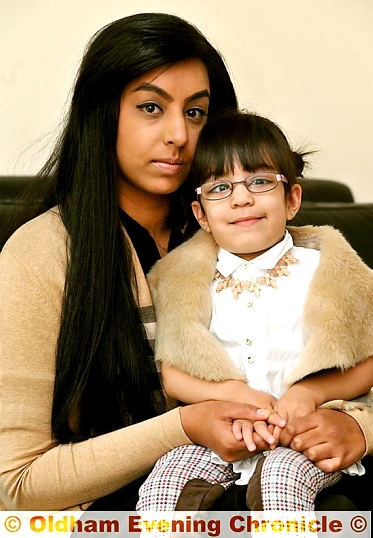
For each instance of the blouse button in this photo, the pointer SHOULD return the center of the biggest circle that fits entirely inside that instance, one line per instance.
(250, 360)
(248, 341)
(249, 305)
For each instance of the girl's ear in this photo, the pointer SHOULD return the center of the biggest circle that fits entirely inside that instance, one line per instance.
(200, 215)
(294, 200)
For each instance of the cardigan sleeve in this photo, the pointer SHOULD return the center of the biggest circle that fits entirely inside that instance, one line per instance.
(364, 417)
(37, 473)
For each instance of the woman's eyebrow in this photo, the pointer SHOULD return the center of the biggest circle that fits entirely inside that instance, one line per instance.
(197, 95)
(148, 87)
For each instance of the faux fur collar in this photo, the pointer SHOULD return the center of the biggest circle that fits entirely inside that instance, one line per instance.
(337, 318)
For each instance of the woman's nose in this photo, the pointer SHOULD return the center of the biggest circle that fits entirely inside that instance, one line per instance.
(175, 131)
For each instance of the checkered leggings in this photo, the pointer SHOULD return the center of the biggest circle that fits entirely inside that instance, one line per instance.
(162, 488)
(289, 481)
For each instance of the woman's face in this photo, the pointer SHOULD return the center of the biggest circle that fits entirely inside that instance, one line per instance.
(161, 115)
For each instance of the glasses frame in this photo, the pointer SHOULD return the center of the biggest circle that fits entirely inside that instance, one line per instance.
(279, 178)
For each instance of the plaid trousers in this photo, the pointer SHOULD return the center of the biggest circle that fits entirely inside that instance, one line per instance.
(289, 480)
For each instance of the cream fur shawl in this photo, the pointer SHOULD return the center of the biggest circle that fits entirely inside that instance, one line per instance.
(337, 318)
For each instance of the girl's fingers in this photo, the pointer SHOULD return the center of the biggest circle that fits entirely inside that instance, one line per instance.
(261, 429)
(272, 417)
(237, 430)
(247, 430)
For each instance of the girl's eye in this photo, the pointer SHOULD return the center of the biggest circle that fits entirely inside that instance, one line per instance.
(150, 108)
(259, 181)
(219, 187)
(196, 113)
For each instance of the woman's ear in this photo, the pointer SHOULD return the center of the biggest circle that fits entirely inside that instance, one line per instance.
(200, 215)
(294, 200)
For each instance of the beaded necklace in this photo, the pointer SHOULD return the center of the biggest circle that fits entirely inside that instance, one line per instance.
(255, 284)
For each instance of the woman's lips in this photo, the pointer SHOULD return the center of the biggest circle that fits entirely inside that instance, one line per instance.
(168, 167)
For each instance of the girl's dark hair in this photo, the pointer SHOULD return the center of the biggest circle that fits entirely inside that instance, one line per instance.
(103, 369)
(253, 141)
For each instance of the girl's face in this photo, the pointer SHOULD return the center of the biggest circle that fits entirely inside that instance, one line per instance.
(248, 224)
(161, 115)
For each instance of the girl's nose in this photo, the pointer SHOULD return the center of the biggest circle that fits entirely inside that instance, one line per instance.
(241, 195)
(175, 132)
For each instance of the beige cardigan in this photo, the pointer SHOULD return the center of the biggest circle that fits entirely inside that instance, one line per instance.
(337, 318)
(36, 473)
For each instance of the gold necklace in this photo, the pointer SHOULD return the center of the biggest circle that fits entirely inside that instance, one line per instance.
(255, 284)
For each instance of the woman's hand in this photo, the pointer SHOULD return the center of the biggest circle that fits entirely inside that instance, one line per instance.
(210, 424)
(331, 439)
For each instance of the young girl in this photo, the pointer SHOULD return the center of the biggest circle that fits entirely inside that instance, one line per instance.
(250, 310)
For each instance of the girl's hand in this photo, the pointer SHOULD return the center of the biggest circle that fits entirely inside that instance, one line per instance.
(298, 401)
(278, 422)
(246, 430)
(251, 432)
(262, 400)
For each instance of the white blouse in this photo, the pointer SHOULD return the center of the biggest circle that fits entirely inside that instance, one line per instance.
(264, 335)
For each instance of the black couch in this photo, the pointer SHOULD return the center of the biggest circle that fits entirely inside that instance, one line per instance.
(324, 202)
(331, 202)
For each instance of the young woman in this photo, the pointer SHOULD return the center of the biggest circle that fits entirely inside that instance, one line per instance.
(250, 311)
(80, 399)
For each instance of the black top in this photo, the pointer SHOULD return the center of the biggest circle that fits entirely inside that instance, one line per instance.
(143, 242)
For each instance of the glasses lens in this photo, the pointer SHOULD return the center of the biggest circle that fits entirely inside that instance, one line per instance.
(216, 190)
(262, 182)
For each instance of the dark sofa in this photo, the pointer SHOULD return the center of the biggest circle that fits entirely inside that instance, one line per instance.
(324, 202)
(332, 202)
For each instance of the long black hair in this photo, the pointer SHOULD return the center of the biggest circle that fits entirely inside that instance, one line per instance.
(255, 142)
(103, 370)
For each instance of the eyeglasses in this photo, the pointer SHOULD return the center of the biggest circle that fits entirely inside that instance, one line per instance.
(255, 183)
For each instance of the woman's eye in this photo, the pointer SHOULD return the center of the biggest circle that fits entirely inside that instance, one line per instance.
(196, 113)
(150, 108)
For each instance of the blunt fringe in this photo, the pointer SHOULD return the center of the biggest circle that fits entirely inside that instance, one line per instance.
(255, 142)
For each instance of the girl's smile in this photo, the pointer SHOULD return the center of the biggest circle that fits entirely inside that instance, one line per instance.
(246, 221)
